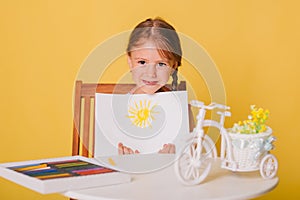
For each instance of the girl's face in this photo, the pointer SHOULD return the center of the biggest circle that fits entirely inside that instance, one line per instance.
(150, 71)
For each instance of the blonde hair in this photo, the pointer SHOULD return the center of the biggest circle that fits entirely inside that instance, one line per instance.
(162, 34)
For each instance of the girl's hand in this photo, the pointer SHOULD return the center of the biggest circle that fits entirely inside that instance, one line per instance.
(168, 148)
(125, 150)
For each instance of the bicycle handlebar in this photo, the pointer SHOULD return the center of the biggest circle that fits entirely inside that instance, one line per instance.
(213, 105)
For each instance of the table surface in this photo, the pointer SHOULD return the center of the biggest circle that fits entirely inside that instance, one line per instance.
(163, 184)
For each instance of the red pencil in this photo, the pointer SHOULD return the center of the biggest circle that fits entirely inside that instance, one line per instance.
(93, 171)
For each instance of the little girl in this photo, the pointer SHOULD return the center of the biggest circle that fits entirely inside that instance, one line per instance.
(153, 54)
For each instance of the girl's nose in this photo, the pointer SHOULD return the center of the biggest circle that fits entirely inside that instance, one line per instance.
(151, 70)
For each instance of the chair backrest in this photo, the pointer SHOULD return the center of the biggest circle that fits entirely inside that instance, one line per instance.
(84, 113)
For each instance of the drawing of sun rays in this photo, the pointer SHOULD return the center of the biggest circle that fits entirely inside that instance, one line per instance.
(142, 113)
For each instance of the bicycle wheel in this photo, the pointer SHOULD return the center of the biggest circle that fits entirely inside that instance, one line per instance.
(193, 165)
(268, 166)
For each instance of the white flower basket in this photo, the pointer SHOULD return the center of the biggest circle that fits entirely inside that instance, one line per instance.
(247, 148)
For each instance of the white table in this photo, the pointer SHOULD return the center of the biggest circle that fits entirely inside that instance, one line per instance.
(163, 184)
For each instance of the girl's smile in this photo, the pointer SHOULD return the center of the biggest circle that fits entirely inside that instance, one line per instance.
(150, 82)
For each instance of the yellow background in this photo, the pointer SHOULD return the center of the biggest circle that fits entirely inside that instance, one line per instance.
(255, 45)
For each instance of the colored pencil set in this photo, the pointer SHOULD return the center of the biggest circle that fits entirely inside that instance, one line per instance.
(60, 169)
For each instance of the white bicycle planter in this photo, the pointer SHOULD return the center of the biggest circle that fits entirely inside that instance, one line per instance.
(236, 154)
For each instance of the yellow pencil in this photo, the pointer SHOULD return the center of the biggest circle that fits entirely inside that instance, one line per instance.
(54, 176)
(31, 167)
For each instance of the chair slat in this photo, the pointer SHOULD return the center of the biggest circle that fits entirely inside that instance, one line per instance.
(86, 126)
(93, 128)
(76, 119)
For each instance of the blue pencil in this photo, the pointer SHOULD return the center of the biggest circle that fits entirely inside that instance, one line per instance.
(38, 172)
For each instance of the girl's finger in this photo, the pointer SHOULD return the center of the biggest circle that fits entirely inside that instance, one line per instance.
(120, 149)
(130, 151)
(126, 150)
(165, 148)
(172, 148)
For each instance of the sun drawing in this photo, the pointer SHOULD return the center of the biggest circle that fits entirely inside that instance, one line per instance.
(141, 113)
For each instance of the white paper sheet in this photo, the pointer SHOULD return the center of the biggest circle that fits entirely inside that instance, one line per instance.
(143, 122)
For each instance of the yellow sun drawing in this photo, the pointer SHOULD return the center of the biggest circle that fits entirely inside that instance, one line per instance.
(141, 113)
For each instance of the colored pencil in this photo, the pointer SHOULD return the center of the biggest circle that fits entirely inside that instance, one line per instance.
(54, 176)
(94, 171)
(42, 172)
(71, 164)
(31, 167)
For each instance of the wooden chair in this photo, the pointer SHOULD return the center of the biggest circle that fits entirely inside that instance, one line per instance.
(84, 114)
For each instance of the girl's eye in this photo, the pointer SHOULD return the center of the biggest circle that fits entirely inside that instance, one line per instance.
(141, 62)
(162, 64)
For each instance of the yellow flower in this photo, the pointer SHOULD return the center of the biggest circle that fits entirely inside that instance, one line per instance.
(255, 122)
